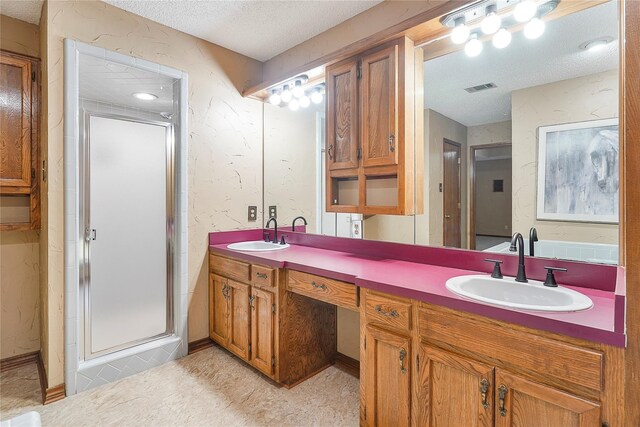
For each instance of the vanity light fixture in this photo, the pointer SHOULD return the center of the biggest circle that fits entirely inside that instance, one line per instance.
(294, 105)
(145, 96)
(492, 21)
(501, 39)
(460, 32)
(316, 94)
(525, 10)
(286, 94)
(304, 101)
(297, 91)
(534, 28)
(473, 47)
(275, 98)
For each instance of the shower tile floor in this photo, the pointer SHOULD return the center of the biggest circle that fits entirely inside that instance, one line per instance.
(210, 387)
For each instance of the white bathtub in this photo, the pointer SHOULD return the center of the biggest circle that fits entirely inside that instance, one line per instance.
(588, 252)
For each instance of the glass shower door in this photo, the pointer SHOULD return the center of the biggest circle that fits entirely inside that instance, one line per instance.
(128, 214)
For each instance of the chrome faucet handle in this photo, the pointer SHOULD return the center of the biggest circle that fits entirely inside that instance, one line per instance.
(497, 273)
(550, 281)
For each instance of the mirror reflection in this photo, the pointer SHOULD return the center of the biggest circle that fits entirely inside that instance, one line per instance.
(517, 137)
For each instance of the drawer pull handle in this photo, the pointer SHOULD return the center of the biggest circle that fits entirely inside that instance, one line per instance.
(262, 275)
(321, 286)
(502, 394)
(484, 388)
(403, 355)
(393, 313)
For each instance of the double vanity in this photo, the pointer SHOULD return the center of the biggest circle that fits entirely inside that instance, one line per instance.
(441, 341)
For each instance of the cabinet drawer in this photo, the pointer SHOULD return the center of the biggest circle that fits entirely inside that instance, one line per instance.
(518, 351)
(328, 290)
(388, 311)
(262, 276)
(229, 267)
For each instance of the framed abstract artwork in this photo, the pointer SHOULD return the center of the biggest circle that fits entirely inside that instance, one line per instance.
(578, 172)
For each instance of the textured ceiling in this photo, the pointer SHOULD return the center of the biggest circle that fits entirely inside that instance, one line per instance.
(258, 29)
(24, 10)
(525, 63)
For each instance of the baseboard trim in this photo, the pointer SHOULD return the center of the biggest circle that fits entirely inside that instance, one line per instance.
(19, 360)
(200, 345)
(53, 394)
(347, 364)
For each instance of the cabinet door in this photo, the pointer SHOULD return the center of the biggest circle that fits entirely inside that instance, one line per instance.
(262, 318)
(342, 116)
(238, 339)
(453, 390)
(15, 116)
(523, 403)
(379, 106)
(387, 384)
(218, 309)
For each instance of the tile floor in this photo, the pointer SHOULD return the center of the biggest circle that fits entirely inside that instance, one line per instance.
(209, 388)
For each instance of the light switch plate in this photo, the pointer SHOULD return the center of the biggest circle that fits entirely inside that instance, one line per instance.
(252, 213)
(273, 212)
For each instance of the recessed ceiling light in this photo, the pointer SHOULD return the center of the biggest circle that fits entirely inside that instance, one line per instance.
(145, 96)
(596, 44)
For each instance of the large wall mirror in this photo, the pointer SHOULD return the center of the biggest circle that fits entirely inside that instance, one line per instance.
(515, 137)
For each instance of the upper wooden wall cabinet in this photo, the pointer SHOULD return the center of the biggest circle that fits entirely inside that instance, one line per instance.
(19, 112)
(374, 113)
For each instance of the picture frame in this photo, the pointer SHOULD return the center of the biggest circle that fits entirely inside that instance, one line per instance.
(578, 172)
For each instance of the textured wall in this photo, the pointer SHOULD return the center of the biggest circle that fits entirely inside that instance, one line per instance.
(290, 159)
(19, 250)
(584, 98)
(225, 142)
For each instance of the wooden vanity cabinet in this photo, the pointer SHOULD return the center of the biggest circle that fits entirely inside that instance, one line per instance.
(263, 310)
(371, 110)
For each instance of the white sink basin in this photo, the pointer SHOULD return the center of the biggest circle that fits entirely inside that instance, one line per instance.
(526, 296)
(257, 246)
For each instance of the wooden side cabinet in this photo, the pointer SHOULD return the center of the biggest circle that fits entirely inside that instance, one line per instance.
(229, 314)
(19, 134)
(263, 310)
(373, 111)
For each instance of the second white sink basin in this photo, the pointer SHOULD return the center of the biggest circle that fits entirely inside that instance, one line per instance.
(527, 296)
(257, 246)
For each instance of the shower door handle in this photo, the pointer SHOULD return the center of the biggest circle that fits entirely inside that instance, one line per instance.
(91, 234)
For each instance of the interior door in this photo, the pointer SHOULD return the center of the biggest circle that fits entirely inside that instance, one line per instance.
(451, 221)
(378, 101)
(15, 116)
(342, 116)
(126, 218)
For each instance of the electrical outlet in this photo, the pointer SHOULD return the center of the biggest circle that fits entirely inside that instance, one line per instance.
(273, 212)
(252, 213)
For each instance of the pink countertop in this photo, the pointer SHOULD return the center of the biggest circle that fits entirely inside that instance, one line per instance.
(425, 281)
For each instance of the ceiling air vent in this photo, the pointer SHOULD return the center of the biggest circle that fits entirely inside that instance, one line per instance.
(478, 88)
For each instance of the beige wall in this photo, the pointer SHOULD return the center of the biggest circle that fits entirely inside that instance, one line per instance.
(19, 250)
(225, 142)
(584, 98)
(290, 159)
(493, 209)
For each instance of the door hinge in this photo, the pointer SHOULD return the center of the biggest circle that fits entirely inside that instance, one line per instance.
(273, 361)
(359, 153)
(249, 348)
(365, 412)
(273, 308)
(33, 76)
(359, 70)
(418, 362)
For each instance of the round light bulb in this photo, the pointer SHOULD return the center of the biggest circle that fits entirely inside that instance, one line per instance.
(316, 96)
(525, 10)
(294, 105)
(491, 23)
(274, 98)
(534, 28)
(460, 32)
(145, 96)
(501, 39)
(286, 94)
(473, 47)
(596, 45)
(304, 101)
(297, 89)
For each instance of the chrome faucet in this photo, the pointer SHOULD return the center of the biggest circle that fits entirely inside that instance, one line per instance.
(293, 224)
(275, 228)
(533, 238)
(517, 239)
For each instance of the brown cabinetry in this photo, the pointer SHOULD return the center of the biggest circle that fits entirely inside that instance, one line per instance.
(372, 106)
(19, 169)
(263, 309)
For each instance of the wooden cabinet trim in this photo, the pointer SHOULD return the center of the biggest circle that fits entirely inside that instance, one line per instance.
(263, 276)
(344, 119)
(262, 308)
(388, 311)
(229, 267)
(239, 334)
(331, 291)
